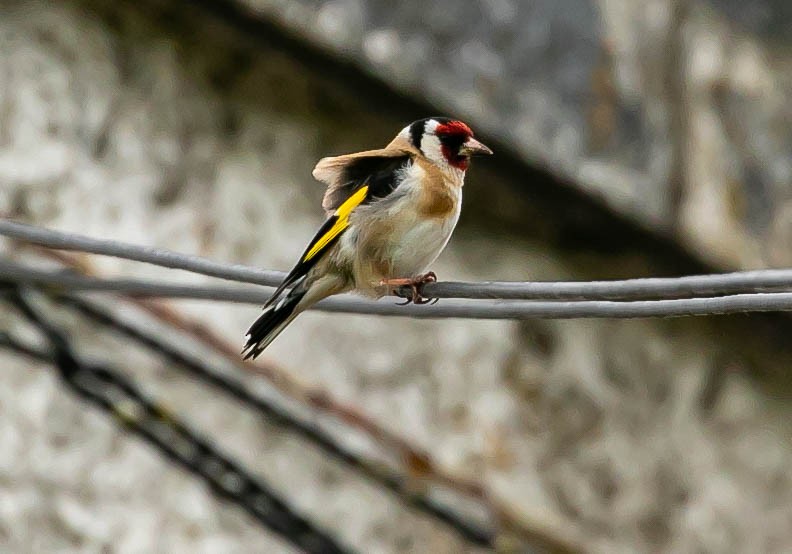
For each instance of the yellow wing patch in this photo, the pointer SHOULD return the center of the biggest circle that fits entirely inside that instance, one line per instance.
(342, 213)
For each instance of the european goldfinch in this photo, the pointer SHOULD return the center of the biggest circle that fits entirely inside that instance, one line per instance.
(390, 214)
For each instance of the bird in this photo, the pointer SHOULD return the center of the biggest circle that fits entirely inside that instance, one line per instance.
(390, 213)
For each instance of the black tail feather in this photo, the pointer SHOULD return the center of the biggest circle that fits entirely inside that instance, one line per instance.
(270, 324)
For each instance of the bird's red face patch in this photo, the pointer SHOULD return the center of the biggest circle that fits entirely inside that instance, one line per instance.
(454, 128)
(452, 136)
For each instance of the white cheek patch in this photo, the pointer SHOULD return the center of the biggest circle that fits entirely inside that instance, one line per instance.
(432, 149)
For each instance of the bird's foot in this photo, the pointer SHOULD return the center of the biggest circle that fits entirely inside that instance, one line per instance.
(416, 297)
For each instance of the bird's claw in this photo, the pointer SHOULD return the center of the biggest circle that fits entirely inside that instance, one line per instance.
(416, 297)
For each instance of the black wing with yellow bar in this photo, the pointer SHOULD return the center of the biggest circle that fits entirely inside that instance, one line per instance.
(327, 235)
(366, 180)
(380, 173)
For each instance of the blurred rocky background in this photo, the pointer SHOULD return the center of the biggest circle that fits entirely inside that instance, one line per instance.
(633, 138)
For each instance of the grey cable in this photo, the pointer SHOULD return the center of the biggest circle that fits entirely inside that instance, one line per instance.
(766, 280)
(468, 309)
(156, 256)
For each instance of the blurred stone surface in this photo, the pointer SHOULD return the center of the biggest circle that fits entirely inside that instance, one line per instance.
(674, 112)
(173, 131)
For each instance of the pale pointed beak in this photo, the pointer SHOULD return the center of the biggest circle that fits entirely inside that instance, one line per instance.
(472, 147)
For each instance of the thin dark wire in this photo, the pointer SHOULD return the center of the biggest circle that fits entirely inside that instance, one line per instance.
(452, 308)
(195, 367)
(118, 396)
(10, 343)
(672, 287)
